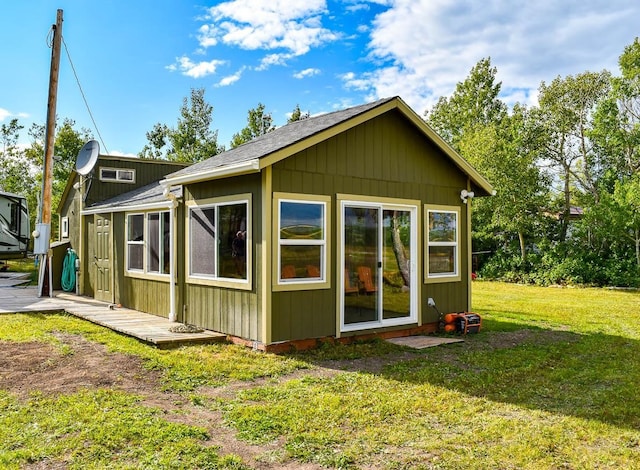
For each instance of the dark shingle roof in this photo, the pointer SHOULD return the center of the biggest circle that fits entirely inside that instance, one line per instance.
(278, 139)
(267, 144)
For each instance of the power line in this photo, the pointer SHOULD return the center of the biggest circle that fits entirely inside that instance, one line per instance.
(83, 97)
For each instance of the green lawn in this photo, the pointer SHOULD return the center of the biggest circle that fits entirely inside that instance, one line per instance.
(551, 381)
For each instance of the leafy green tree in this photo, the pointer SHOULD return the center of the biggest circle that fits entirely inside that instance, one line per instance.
(506, 153)
(258, 123)
(474, 103)
(565, 117)
(617, 120)
(9, 134)
(67, 143)
(297, 114)
(627, 198)
(503, 148)
(609, 234)
(17, 175)
(192, 140)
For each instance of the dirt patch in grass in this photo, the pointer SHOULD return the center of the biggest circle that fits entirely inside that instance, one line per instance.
(35, 367)
(81, 364)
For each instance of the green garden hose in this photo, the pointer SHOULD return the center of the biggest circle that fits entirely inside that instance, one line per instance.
(68, 280)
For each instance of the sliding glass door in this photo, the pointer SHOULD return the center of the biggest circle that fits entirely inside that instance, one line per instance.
(378, 266)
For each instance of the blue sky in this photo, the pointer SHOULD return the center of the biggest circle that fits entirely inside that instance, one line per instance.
(137, 59)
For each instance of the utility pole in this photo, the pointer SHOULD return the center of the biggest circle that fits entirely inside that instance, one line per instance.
(42, 233)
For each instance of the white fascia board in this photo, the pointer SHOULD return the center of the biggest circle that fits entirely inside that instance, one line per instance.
(132, 208)
(250, 166)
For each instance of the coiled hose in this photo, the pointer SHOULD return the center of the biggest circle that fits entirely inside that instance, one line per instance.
(68, 280)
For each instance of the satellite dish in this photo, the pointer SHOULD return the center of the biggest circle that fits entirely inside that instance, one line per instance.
(87, 157)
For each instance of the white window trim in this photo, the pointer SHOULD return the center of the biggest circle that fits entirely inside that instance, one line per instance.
(442, 277)
(143, 273)
(301, 283)
(118, 178)
(64, 227)
(201, 279)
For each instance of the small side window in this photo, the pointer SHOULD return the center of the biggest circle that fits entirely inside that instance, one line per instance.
(117, 175)
(64, 227)
(442, 240)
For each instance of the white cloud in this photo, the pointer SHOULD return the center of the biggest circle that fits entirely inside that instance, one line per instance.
(422, 48)
(207, 36)
(4, 114)
(292, 25)
(120, 153)
(273, 59)
(310, 72)
(195, 70)
(231, 79)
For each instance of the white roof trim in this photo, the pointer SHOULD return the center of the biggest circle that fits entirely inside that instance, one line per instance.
(243, 168)
(132, 208)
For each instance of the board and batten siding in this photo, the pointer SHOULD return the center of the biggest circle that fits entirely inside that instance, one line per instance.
(146, 172)
(227, 310)
(384, 157)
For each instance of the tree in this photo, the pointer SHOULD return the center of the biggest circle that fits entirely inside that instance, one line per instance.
(15, 172)
(298, 115)
(506, 153)
(258, 123)
(565, 116)
(192, 140)
(502, 147)
(617, 119)
(474, 103)
(21, 168)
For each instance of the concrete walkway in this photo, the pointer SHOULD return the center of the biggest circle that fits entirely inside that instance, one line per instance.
(146, 327)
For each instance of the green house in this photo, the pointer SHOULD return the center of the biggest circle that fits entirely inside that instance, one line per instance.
(341, 225)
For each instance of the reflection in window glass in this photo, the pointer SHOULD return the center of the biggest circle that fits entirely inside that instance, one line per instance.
(232, 249)
(302, 240)
(301, 220)
(443, 243)
(442, 226)
(218, 238)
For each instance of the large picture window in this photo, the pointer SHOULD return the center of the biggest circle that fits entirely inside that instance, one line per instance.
(442, 238)
(302, 241)
(218, 238)
(148, 236)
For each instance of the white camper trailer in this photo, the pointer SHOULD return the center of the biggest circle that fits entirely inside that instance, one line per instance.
(14, 226)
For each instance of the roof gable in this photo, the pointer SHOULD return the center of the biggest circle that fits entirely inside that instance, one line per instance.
(287, 140)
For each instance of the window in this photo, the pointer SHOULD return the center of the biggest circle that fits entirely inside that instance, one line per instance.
(158, 235)
(135, 242)
(64, 227)
(117, 175)
(301, 226)
(14, 209)
(148, 242)
(218, 240)
(442, 239)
